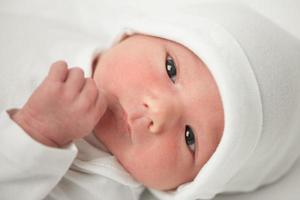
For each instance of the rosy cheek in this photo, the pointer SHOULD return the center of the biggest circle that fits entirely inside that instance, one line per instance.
(159, 157)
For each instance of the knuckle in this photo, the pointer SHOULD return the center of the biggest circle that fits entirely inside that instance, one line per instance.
(52, 88)
(85, 105)
(90, 85)
(67, 96)
(58, 68)
(91, 92)
(76, 74)
(77, 70)
(90, 97)
(59, 64)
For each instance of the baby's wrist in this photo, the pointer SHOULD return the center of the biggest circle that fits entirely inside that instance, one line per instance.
(31, 127)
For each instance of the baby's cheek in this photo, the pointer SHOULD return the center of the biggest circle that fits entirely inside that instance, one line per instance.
(155, 167)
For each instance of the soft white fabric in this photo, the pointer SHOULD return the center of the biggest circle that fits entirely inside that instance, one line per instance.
(256, 65)
(28, 170)
(96, 174)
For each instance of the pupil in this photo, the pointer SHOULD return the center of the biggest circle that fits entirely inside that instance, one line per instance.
(189, 136)
(170, 66)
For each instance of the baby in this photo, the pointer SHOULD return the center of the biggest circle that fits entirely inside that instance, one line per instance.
(188, 110)
(146, 111)
(155, 114)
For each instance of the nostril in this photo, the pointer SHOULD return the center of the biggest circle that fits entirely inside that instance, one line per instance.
(150, 124)
(145, 105)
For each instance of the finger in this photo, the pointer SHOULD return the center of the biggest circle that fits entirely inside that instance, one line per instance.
(101, 104)
(75, 80)
(58, 71)
(88, 93)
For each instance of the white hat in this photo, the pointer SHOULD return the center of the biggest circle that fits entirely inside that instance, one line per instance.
(256, 66)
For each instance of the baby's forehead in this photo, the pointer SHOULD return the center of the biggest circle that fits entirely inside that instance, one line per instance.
(180, 49)
(153, 39)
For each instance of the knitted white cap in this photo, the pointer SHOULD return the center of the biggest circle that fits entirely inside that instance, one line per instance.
(256, 66)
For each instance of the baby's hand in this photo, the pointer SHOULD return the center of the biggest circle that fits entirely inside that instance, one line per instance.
(64, 107)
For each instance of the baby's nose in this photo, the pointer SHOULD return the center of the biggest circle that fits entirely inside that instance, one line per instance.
(163, 112)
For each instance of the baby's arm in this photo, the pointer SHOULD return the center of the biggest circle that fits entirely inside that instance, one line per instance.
(66, 106)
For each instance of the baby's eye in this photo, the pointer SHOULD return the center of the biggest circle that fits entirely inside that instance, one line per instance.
(171, 68)
(190, 138)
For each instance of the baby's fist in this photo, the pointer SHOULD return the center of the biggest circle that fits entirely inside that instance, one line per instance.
(64, 107)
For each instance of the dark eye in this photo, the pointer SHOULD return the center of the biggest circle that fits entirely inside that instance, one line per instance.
(171, 68)
(190, 138)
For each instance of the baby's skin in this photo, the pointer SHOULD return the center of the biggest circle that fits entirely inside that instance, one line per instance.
(65, 106)
(150, 101)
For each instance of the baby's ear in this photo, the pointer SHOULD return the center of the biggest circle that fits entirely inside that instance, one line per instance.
(95, 60)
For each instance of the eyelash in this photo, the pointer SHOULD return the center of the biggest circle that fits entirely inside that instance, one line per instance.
(188, 134)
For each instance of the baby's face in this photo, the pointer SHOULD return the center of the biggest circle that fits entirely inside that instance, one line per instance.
(171, 104)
